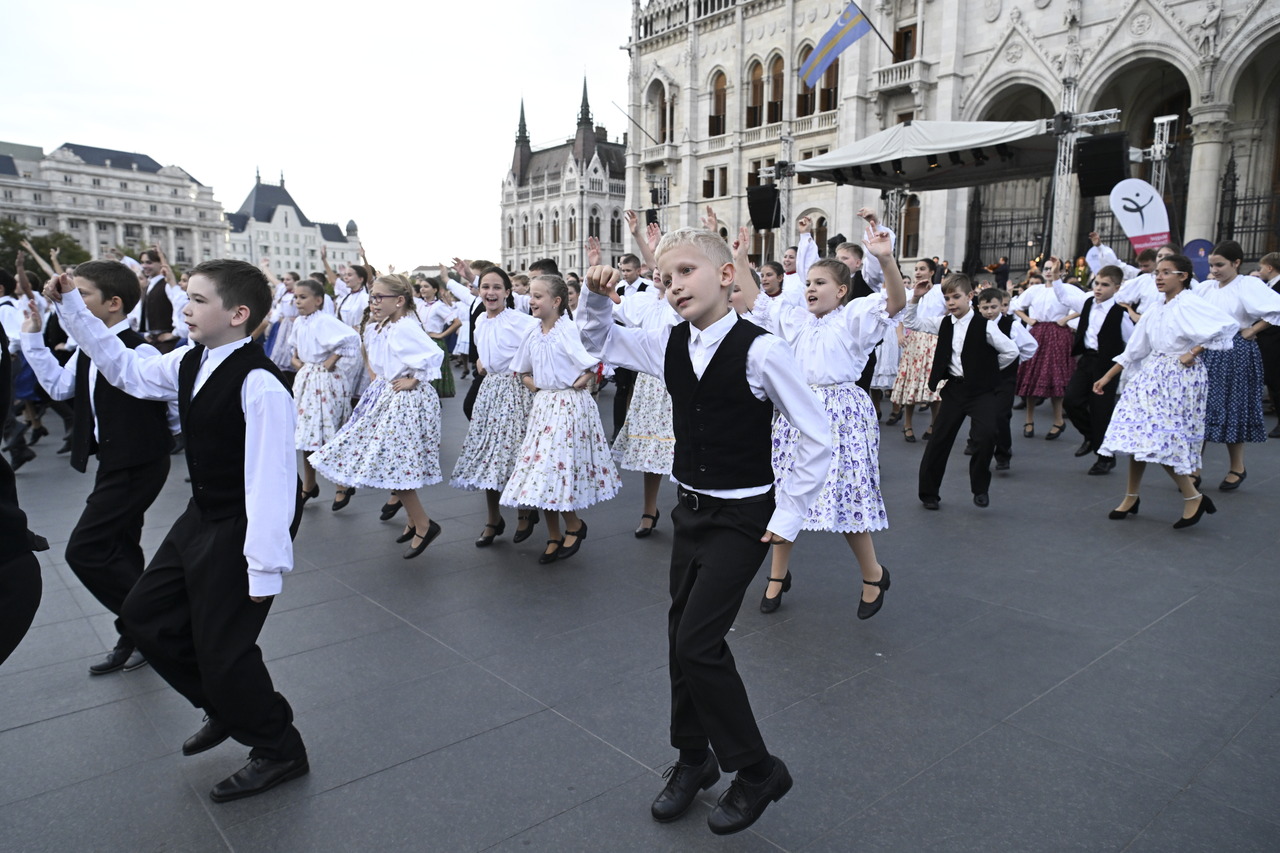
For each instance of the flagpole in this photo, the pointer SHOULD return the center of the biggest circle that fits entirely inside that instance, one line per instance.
(875, 30)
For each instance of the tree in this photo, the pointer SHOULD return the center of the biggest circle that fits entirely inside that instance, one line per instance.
(13, 233)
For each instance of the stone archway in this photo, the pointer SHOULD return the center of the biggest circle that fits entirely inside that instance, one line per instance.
(1249, 211)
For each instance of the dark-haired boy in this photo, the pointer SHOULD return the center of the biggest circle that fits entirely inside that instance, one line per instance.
(1101, 335)
(970, 356)
(130, 437)
(725, 376)
(994, 305)
(198, 608)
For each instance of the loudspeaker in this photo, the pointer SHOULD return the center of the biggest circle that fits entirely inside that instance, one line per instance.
(1102, 162)
(762, 204)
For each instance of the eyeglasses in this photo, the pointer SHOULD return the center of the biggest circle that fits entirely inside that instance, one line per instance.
(378, 297)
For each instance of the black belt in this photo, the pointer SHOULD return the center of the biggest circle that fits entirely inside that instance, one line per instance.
(696, 500)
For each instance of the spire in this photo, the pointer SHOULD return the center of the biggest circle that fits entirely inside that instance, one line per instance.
(257, 175)
(584, 114)
(282, 178)
(522, 133)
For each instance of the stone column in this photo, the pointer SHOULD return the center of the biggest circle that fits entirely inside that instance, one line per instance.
(1209, 125)
(171, 244)
(119, 233)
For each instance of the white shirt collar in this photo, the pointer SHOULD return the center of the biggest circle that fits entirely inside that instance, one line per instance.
(118, 327)
(713, 334)
(217, 355)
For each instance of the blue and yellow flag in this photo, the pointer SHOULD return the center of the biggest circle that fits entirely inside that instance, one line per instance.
(848, 28)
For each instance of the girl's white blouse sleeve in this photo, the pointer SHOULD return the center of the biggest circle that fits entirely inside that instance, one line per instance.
(1246, 298)
(1174, 328)
(413, 352)
(555, 359)
(318, 336)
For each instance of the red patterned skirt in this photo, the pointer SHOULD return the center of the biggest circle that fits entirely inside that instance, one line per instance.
(1047, 373)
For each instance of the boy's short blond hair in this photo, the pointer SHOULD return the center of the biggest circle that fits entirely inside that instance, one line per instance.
(707, 242)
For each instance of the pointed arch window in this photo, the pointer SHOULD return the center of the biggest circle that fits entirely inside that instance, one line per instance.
(829, 91)
(615, 227)
(755, 95)
(719, 105)
(555, 227)
(775, 90)
(806, 95)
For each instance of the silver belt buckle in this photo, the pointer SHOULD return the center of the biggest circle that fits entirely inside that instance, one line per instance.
(691, 500)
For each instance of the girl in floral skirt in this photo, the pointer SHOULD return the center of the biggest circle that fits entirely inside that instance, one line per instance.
(393, 440)
(492, 446)
(1160, 416)
(832, 338)
(911, 387)
(564, 462)
(320, 343)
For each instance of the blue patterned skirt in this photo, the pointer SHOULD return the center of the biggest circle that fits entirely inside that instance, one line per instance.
(850, 500)
(1233, 412)
(1160, 415)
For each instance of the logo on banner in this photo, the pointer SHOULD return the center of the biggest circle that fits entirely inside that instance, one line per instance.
(1141, 213)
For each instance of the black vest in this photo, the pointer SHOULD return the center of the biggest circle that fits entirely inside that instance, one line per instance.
(860, 287)
(130, 431)
(1110, 337)
(157, 310)
(1005, 323)
(213, 423)
(722, 430)
(979, 359)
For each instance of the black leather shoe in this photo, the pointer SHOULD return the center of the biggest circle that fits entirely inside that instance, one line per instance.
(969, 447)
(931, 504)
(389, 511)
(642, 531)
(210, 735)
(408, 534)
(135, 661)
(37, 434)
(983, 500)
(1002, 463)
(1121, 514)
(486, 538)
(21, 456)
(309, 495)
(1231, 485)
(260, 774)
(1206, 505)
(341, 502)
(893, 418)
(66, 446)
(1020, 404)
(115, 659)
(433, 530)
(578, 535)
(1085, 448)
(179, 445)
(769, 605)
(552, 555)
(684, 781)
(1104, 465)
(523, 533)
(743, 803)
(867, 609)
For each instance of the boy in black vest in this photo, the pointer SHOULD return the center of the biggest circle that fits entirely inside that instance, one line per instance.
(993, 305)
(725, 376)
(197, 609)
(1103, 331)
(131, 438)
(971, 354)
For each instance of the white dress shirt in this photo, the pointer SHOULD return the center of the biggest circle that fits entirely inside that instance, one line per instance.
(402, 348)
(772, 374)
(351, 307)
(498, 338)
(270, 461)
(1074, 298)
(11, 322)
(1022, 339)
(1006, 349)
(319, 335)
(1100, 256)
(1041, 304)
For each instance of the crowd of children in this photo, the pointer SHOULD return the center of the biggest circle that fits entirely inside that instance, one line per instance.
(756, 390)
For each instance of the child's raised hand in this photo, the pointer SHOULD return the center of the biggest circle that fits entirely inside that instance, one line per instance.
(603, 280)
(803, 224)
(710, 221)
(867, 214)
(740, 246)
(57, 286)
(921, 288)
(31, 320)
(593, 251)
(653, 233)
(878, 243)
(633, 222)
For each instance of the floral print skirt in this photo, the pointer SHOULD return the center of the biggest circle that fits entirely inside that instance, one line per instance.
(647, 440)
(492, 446)
(393, 443)
(323, 406)
(1047, 373)
(1233, 412)
(1160, 414)
(850, 500)
(564, 461)
(914, 365)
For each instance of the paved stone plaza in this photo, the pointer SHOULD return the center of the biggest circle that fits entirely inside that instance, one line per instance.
(1040, 678)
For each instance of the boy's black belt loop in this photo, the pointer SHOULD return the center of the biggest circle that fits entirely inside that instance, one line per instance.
(697, 501)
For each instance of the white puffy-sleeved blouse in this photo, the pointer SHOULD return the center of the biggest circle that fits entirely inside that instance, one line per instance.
(556, 359)
(402, 348)
(319, 335)
(1041, 304)
(1175, 326)
(1246, 298)
(831, 349)
(499, 338)
(350, 308)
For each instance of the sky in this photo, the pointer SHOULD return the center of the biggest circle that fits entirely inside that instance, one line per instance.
(401, 117)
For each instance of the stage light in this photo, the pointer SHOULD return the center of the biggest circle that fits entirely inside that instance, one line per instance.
(979, 157)
(857, 173)
(933, 161)
(839, 176)
(955, 158)
(877, 170)
(897, 167)
(1004, 152)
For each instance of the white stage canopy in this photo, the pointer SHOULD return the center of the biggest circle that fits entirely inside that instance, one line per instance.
(940, 155)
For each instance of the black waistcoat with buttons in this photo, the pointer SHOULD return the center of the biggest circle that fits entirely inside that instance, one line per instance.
(1110, 336)
(157, 310)
(979, 359)
(130, 431)
(213, 423)
(1005, 323)
(722, 430)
